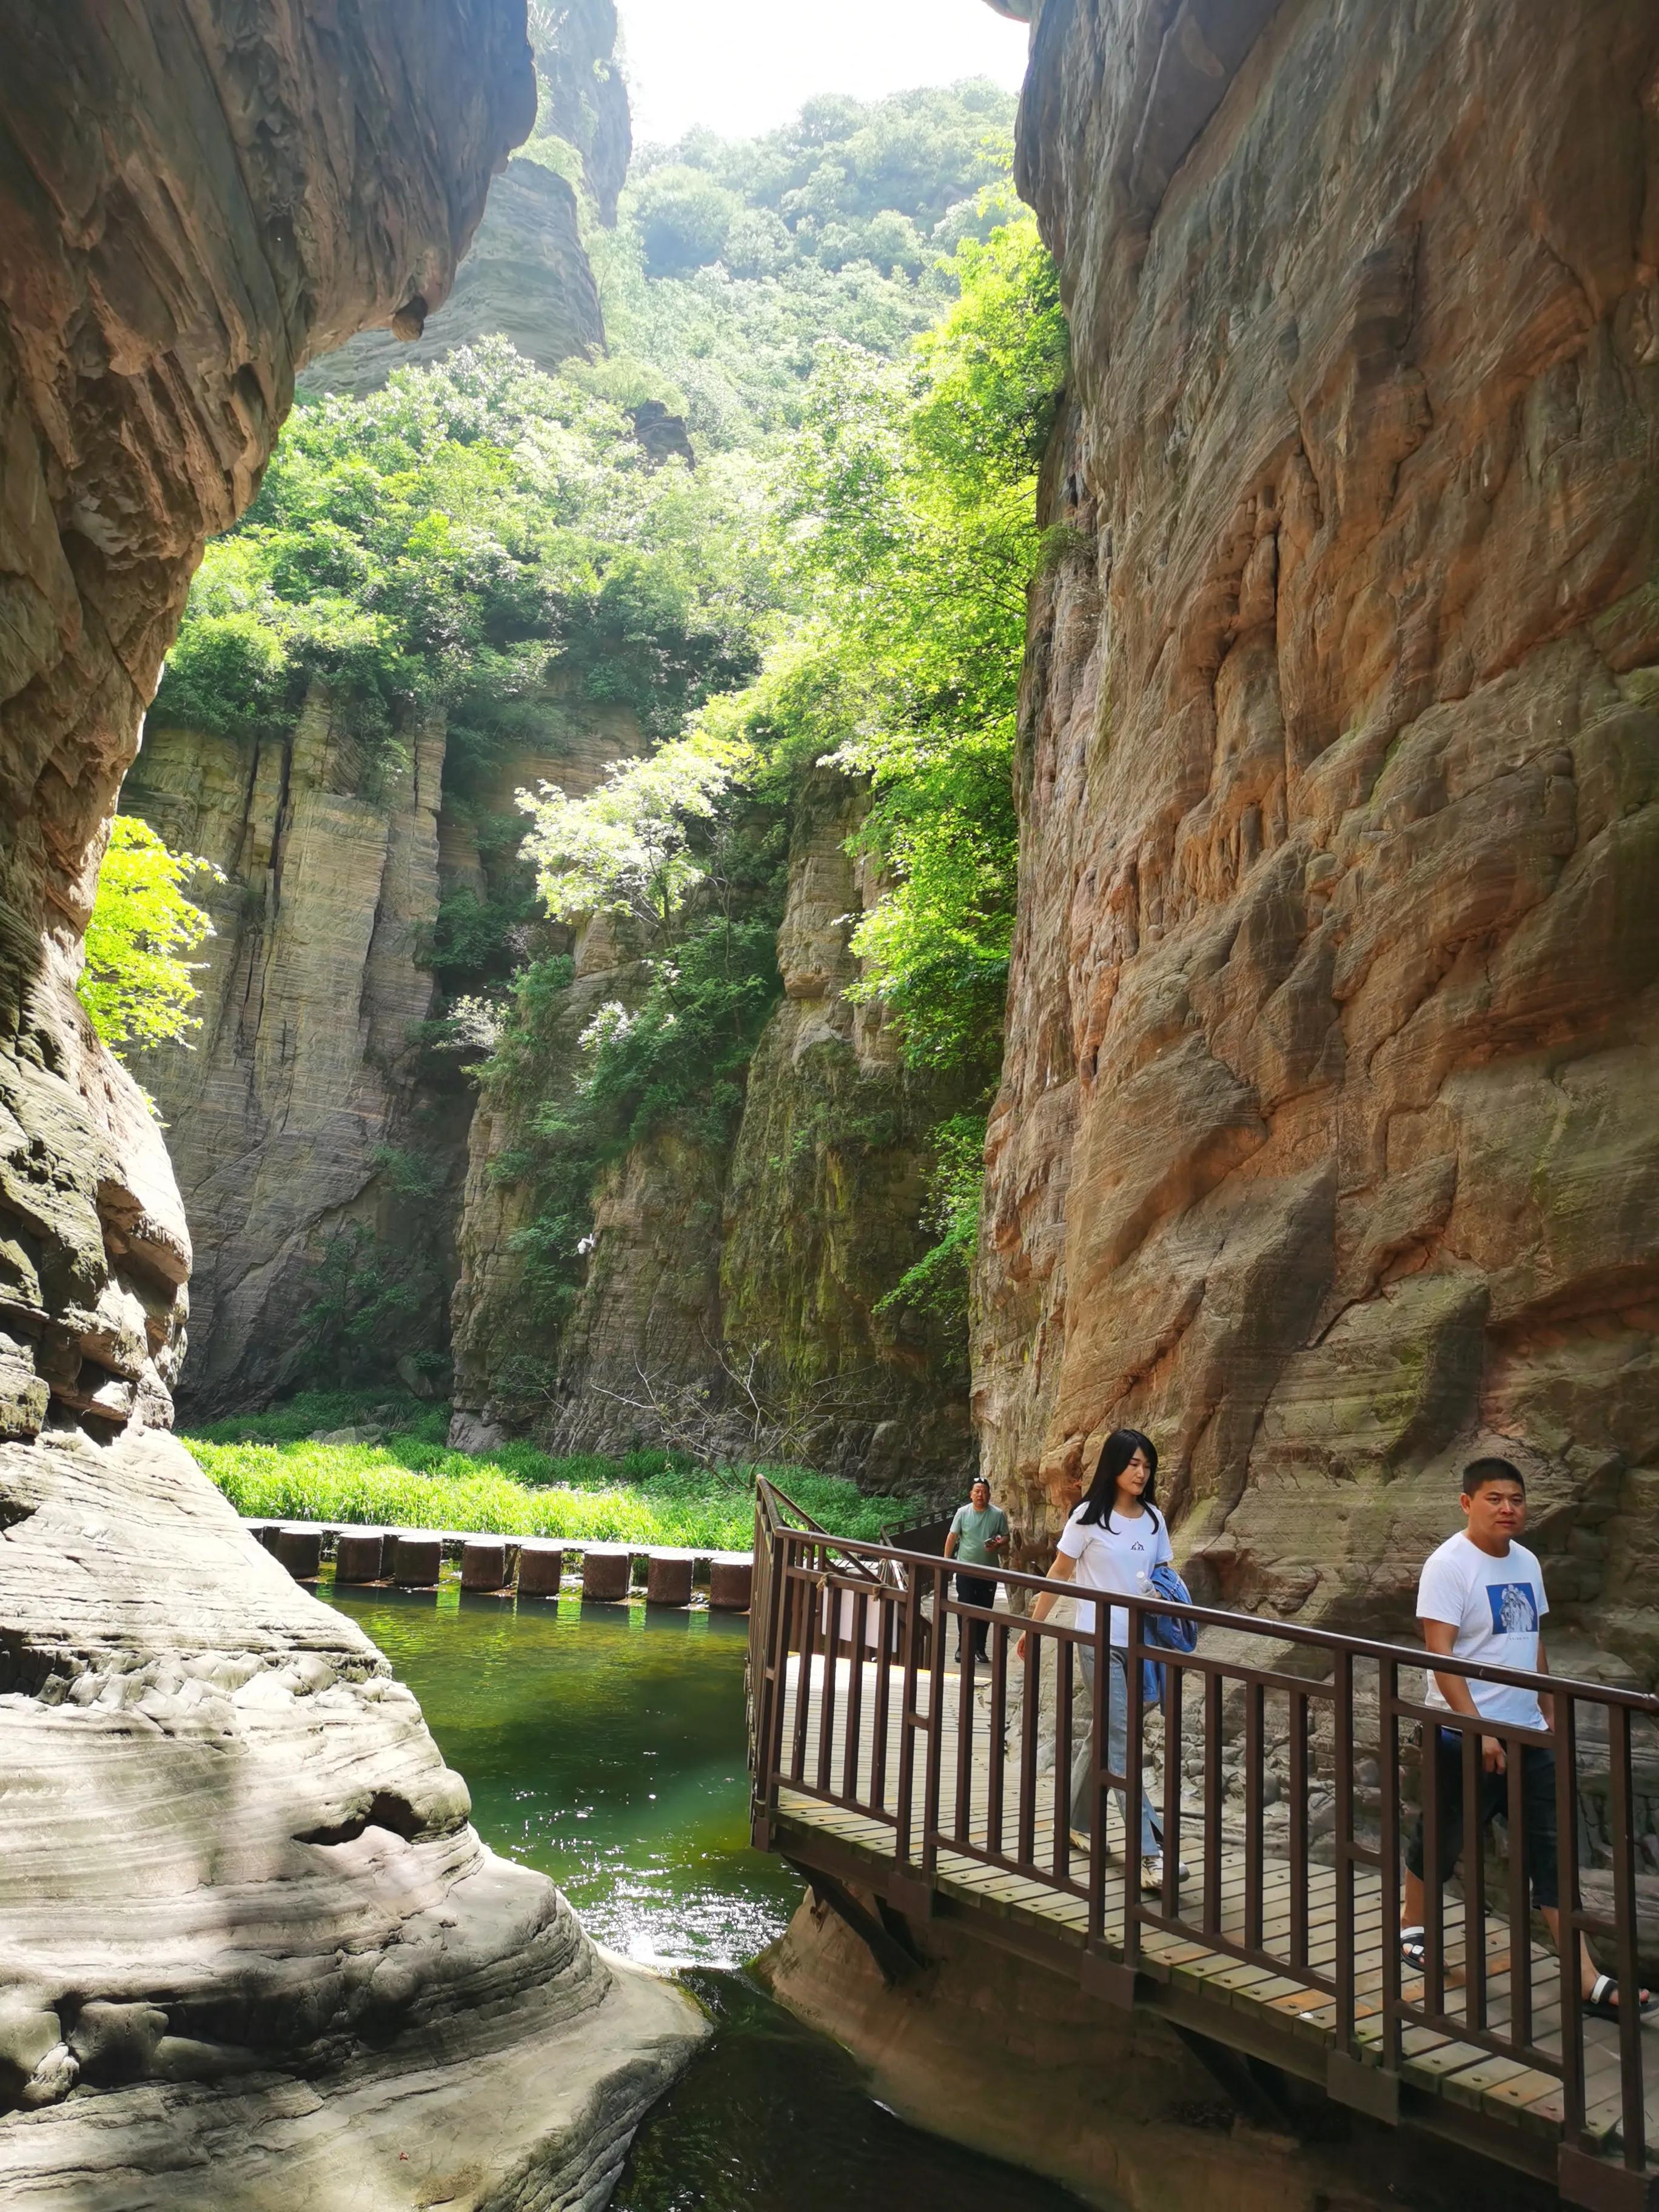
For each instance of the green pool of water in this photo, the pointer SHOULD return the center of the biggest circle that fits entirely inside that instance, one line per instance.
(604, 1745)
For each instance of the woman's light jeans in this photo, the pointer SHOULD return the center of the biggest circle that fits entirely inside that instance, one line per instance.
(1117, 1723)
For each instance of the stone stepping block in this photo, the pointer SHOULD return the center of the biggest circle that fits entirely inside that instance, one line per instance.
(299, 1550)
(540, 1569)
(668, 1578)
(359, 1555)
(483, 1564)
(607, 1571)
(731, 1581)
(416, 1561)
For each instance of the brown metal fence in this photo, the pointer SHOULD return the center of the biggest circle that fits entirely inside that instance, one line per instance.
(1282, 1757)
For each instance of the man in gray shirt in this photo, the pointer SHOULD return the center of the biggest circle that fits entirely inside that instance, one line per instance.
(978, 1539)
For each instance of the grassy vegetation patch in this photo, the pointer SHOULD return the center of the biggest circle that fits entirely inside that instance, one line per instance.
(270, 1466)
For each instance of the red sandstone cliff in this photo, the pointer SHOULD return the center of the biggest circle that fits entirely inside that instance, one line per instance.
(1327, 1139)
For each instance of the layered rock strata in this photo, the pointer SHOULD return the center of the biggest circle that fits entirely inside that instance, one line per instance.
(303, 1077)
(729, 1298)
(1325, 1144)
(231, 1850)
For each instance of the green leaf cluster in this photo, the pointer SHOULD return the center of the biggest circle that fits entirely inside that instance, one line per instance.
(137, 985)
(479, 537)
(735, 258)
(911, 541)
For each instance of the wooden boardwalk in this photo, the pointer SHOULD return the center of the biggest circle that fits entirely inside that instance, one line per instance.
(843, 1740)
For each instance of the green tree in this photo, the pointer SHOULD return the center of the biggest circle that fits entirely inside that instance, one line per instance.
(626, 848)
(137, 985)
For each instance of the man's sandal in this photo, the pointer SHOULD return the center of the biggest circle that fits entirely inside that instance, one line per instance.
(1412, 1953)
(1602, 2003)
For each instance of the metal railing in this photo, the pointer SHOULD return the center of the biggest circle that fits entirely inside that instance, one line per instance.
(1295, 1789)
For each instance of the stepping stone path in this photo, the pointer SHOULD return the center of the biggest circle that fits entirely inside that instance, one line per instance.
(502, 1566)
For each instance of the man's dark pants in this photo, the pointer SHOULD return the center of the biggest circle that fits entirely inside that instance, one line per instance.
(971, 1590)
(1537, 1839)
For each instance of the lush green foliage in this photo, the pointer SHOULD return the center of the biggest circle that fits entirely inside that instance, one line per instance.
(938, 1283)
(478, 537)
(628, 848)
(673, 1059)
(917, 505)
(359, 1297)
(267, 1466)
(137, 985)
(735, 259)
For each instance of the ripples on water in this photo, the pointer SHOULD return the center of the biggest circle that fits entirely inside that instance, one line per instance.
(604, 1745)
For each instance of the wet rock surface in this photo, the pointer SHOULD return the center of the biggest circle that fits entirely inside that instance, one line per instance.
(1325, 1144)
(231, 1849)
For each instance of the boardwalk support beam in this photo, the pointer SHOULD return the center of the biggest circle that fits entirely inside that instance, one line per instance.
(895, 1954)
(1257, 2089)
(1601, 2186)
(1368, 2089)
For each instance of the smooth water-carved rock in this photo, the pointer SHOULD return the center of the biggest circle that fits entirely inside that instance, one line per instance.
(250, 1947)
(1325, 1144)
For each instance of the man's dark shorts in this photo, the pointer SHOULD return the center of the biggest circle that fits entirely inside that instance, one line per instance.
(1537, 1809)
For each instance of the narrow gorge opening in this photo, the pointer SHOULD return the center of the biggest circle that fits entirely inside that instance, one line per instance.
(748, 766)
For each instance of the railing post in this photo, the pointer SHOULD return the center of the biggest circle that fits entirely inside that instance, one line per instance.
(1568, 1914)
(1633, 2128)
(1389, 1858)
(766, 1668)
(904, 1853)
(1133, 1784)
(1100, 1795)
(935, 1730)
(1342, 1774)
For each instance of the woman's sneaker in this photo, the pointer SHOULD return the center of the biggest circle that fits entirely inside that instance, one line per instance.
(1152, 1874)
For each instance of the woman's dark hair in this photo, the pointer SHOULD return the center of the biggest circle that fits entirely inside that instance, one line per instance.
(1119, 1449)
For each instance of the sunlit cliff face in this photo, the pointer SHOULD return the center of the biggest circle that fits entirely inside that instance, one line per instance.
(1325, 1146)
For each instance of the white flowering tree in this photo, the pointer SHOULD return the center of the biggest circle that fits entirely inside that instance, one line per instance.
(626, 848)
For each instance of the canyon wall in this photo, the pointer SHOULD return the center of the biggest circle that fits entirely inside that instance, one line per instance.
(249, 1943)
(313, 1135)
(730, 1296)
(1326, 1146)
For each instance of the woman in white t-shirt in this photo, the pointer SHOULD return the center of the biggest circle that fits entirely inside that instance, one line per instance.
(1112, 1541)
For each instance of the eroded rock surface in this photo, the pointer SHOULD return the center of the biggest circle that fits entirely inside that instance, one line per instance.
(231, 1853)
(526, 278)
(1326, 1141)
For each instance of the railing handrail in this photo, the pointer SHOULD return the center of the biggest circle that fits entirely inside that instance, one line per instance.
(1251, 1624)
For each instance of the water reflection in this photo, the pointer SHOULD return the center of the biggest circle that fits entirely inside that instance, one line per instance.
(603, 1744)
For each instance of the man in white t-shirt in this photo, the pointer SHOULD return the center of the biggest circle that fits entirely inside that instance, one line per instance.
(1482, 1598)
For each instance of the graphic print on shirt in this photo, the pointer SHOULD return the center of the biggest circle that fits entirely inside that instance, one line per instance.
(1514, 1611)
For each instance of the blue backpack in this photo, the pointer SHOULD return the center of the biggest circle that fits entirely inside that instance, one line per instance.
(1174, 1634)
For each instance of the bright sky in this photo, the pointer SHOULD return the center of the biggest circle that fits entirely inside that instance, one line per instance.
(744, 66)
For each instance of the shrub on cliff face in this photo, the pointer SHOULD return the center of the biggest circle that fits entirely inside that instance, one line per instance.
(137, 985)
